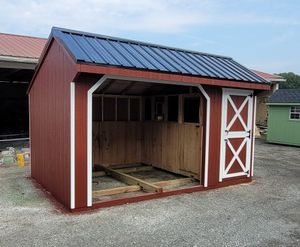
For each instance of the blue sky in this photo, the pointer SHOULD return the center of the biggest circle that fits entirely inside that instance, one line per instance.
(260, 34)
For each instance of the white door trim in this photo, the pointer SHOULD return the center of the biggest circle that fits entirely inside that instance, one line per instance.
(90, 124)
(225, 134)
(253, 134)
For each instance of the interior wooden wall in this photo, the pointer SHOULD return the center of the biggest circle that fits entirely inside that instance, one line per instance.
(116, 142)
(171, 146)
(174, 147)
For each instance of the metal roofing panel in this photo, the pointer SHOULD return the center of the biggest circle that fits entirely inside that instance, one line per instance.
(110, 60)
(176, 60)
(138, 56)
(189, 65)
(148, 57)
(98, 49)
(129, 56)
(211, 71)
(203, 70)
(21, 46)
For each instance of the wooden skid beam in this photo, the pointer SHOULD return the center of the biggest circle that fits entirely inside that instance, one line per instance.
(117, 190)
(130, 180)
(134, 188)
(125, 170)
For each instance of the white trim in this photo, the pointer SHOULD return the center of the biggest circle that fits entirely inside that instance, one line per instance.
(290, 112)
(237, 134)
(231, 175)
(72, 145)
(90, 139)
(237, 92)
(222, 147)
(251, 130)
(253, 134)
(207, 127)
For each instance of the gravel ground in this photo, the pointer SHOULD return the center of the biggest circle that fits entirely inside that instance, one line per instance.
(263, 213)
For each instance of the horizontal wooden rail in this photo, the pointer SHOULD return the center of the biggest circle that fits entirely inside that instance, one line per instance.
(124, 170)
(130, 180)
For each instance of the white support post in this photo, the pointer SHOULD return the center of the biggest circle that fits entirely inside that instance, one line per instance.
(90, 140)
(253, 134)
(207, 135)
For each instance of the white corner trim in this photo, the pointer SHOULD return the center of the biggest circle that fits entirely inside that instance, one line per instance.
(90, 139)
(207, 128)
(72, 147)
(253, 134)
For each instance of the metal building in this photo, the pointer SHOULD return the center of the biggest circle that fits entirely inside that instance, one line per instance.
(18, 58)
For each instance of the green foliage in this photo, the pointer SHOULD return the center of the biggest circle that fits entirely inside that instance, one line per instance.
(292, 80)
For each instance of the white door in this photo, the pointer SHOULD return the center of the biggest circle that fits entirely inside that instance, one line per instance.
(236, 128)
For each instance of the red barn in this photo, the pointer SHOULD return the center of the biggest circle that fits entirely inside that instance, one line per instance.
(114, 121)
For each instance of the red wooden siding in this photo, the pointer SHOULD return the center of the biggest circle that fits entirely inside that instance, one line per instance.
(50, 123)
(82, 85)
(215, 94)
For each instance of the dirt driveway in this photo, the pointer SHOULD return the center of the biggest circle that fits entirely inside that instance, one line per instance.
(263, 213)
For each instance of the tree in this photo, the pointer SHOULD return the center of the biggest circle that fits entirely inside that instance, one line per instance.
(292, 80)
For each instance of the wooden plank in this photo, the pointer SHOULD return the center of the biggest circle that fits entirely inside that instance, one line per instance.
(99, 174)
(117, 190)
(174, 182)
(133, 180)
(125, 170)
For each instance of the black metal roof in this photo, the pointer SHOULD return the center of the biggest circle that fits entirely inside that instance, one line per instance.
(104, 50)
(285, 96)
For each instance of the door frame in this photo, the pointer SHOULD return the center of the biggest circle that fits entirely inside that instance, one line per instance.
(242, 134)
(90, 127)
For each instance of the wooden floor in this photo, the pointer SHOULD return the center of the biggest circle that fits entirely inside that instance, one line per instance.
(112, 182)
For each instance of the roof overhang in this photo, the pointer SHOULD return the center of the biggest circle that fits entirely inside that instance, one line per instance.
(18, 62)
(115, 71)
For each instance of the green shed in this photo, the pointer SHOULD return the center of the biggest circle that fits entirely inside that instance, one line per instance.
(284, 117)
